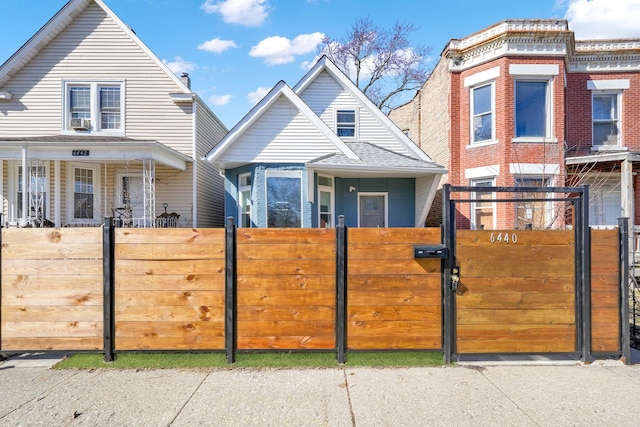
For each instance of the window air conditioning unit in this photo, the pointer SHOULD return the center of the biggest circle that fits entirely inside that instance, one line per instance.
(80, 124)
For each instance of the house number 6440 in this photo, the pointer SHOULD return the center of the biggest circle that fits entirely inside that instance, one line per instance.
(503, 238)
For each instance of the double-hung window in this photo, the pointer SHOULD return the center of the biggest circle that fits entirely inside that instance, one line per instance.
(84, 188)
(482, 113)
(93, 106)
(482, 208)
(606, 118)
(325, 197)
(533, 95)
(244, 199)
(346, 123)
(532, 212)
(532, 111)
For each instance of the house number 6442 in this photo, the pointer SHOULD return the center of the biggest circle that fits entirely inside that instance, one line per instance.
(503, 238)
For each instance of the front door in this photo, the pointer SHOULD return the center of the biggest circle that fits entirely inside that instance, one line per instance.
(372, 209)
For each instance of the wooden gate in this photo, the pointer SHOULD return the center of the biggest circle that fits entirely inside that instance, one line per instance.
(516, 292)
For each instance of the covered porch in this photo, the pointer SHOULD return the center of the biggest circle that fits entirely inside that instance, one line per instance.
(77, 181)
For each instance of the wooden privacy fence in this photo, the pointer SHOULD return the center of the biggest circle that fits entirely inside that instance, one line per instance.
(110, 290)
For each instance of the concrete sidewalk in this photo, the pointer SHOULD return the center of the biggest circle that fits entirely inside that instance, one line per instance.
(604, 393)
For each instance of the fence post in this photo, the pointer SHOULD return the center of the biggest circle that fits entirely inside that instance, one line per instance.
(108, 279)
(341, 290)
(585, 262)
(448, 327)
(230, 302)
(623, 245)
(1, 227)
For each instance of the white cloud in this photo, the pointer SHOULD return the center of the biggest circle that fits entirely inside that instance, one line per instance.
(217, 45)
(179, 65)
(250, 13)
(603, 19)
(219, 100)
(278, 50)
(255, 96)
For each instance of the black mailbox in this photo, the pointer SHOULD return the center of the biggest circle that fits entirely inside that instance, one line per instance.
(429, 251)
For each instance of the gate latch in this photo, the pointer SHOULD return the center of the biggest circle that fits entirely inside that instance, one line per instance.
(455, 278)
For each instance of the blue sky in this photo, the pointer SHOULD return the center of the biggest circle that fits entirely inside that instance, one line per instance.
(235, 50)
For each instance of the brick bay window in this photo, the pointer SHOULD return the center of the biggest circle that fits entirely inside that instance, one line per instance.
(93, 107)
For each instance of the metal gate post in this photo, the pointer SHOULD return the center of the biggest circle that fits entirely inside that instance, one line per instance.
(585, 241)
(448, 327)
(623, 250)
(1, 227)
(230, 300)
(108, 280)
(341, 290)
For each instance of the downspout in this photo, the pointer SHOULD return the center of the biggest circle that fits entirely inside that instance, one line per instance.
(194, 178)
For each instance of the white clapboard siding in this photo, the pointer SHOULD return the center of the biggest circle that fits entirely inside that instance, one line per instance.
(94, 48)
(281, 134)
(210, 193)
(324, 95)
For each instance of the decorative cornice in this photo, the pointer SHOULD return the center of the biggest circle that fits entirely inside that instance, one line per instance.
(542, 38)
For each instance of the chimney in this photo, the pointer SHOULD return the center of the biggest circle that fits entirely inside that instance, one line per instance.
(186, 79)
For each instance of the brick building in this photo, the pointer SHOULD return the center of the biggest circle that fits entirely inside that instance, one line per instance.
(522, 103)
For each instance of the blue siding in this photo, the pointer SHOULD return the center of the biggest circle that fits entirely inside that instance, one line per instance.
(401, 198)
(258, 192)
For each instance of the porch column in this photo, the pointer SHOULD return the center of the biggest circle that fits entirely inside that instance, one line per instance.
(56, 193)
(25, 186)
(627, 194)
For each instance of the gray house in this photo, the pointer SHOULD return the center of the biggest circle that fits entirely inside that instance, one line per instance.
(94, 124)
(304, 155)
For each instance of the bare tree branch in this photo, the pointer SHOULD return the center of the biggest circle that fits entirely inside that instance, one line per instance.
(381, 62)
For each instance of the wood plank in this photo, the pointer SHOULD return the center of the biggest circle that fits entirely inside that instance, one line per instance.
(394, 342)
(282, 328)
(397, 266)
(382, 251)
(146, 331)
(250, 236)
(48, 236)
(516, 332)
(302, 313)
(399, 328)
(297, 297)
(605, 282)
(418, 236)
(395, 313)
(170, 282)
(605, 300)
(515, 346)
(515, 301)
(170, 235)
(403, 297)
(64, 343)
(47, 329)
(166, 251)
(545, 261)
(609, 315)
(605, 344)
(391, 282)
(169, 298)
(287, 251)
(506, 285)
(211, 313)
(294, 266)
(170, 343)
(67, 250)
(35, 282)
(286, 282)
(501, 317)
(304, 342)
(34, 313)
(65, 267)
(146, 267)
(50, 298)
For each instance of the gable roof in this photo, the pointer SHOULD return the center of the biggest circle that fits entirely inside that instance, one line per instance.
(324, 64)
(56, 25)
(279, 90)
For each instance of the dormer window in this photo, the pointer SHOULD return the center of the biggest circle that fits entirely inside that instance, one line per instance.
(346, 123)
(93, 106)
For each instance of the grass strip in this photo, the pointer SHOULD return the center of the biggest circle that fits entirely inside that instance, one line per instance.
(248, 360)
